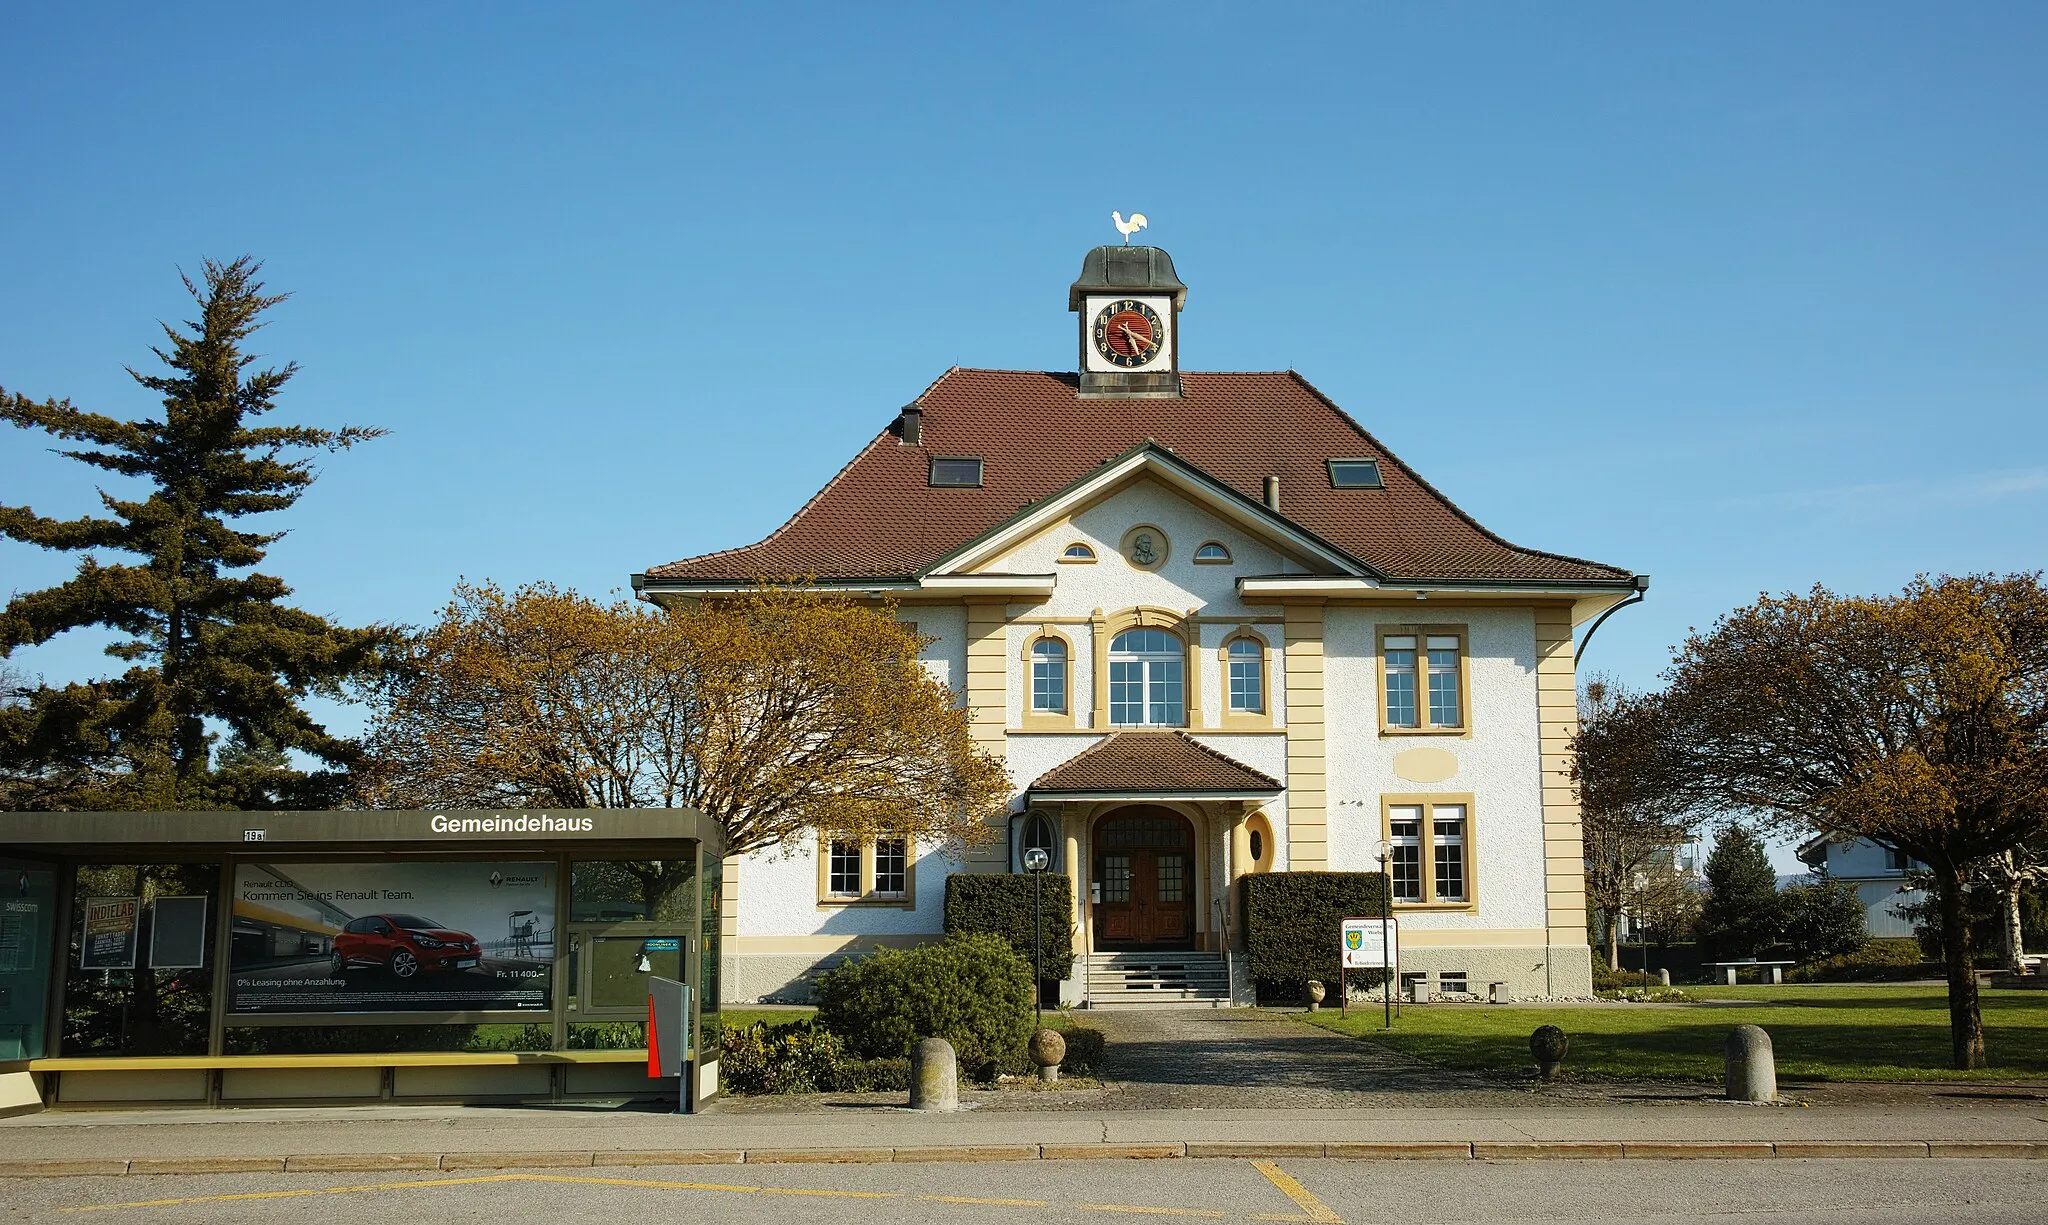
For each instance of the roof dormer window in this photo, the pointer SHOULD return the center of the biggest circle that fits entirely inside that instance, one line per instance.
(1078, 554)
(955, 471)
(1355, 474)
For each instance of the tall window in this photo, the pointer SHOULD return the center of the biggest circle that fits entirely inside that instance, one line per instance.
(1444, 707)
(1447, 825)
(1424, 680)
(843, 873)
(1049, 677)
(1404, 823)
(1432, 856)
(1147, 679)
(1247, 658)
(892, 867)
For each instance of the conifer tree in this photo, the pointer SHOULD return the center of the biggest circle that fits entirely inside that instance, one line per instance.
(208, 640)
(1742, 915)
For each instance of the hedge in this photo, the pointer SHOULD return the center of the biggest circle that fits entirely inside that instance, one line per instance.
(1001, 906)
(971, 989)
(1292, 922)
(801, 1057)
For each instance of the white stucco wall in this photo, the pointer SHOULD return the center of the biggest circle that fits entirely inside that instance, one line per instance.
(1499, 764)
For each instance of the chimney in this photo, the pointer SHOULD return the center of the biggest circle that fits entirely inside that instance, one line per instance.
(1273, 494)
(911, 425)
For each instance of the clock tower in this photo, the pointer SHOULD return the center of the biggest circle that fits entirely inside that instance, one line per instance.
(1129, 302)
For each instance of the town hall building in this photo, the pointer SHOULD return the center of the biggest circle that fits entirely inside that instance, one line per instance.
(1214, 627)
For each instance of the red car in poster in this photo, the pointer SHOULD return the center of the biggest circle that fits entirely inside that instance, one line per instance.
(402, 945)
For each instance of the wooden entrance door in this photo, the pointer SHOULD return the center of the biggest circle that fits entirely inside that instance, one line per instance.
(1145, 865)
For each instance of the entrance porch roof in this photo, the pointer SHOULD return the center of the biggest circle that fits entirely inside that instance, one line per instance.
(1153, 766)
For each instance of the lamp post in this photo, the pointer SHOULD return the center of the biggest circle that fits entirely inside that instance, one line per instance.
(1383, 851)
(1036, 861)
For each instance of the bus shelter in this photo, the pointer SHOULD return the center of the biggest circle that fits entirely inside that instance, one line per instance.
(268, 957)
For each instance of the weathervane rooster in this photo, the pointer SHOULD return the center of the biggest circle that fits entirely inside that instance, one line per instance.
(1127, 228)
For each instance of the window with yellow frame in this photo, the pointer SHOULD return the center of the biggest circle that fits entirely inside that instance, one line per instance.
(1431, 861)
(874, 870)
(1424, 680)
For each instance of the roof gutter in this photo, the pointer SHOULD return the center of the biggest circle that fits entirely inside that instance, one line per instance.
(1129, 794)
(1291, 586)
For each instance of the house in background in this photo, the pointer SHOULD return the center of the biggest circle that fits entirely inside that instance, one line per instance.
(1214, 627)
(1878, 872)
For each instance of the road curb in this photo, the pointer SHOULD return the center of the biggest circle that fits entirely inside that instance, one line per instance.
(1482, 1150)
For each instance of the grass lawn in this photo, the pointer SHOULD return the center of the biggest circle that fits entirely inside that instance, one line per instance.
(1879, 1032)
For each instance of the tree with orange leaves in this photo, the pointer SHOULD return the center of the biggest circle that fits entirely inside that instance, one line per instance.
(776, 712)
(1918, 721)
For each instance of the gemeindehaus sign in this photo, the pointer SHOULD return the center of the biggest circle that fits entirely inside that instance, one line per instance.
(355, 827)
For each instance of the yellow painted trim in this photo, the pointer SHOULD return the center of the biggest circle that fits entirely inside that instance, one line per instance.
(1236, 720)
(1037, 720)
(1308, 817)
(1429, 801)
(1146, 616)
(1420, 632)
(433, 1059)
(822, 946)
(1564, 877)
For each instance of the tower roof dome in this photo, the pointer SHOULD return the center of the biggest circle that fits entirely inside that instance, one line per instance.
(1121, 269)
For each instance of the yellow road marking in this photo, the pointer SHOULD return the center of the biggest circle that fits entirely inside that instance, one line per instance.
(1318, 1213)
(246, 1195)
(1316, 1209)
(1000, 1203)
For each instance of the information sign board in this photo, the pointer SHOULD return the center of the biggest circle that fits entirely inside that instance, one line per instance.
(1371, 944)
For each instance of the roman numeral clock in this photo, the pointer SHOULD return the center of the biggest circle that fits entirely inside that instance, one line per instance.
(1128, 299)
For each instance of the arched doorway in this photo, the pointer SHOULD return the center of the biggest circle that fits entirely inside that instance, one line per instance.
(1145, 867)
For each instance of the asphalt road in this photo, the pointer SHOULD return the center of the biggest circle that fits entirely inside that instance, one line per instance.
(1779, 1192)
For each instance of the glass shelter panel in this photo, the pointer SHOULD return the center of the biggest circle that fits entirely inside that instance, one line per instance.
(116, 1002)
(28, 929)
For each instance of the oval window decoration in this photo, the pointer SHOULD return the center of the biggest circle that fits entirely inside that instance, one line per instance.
(1145, 547)
(1258, 841)
(1212, 554)
(1077, 552)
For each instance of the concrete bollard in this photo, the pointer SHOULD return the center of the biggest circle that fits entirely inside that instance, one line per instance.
(934, 1076)
(1752, 1068)
(1663, 978)
(1047, 1048)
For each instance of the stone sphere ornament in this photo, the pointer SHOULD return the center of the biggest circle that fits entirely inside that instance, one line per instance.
(1548, 1044)
(1316, 992)
(1047, 1050)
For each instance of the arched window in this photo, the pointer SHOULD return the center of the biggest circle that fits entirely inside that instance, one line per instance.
(1247, 660)
(1212, 554)
(1041, 833)
(1078, 552)
(1147, 679)
(1049, 677)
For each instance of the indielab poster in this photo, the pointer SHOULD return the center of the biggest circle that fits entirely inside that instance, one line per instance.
(392, 937)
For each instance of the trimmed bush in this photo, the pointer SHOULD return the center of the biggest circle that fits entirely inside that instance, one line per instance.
(1880, 960)
(801, 1057)
(1001, 906)
(971, 989)
(1292, 925)
(1823, 919)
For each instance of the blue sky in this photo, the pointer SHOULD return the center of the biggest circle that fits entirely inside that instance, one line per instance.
(1746, 296)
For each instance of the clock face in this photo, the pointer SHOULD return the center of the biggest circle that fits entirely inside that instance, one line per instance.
(1128, 333)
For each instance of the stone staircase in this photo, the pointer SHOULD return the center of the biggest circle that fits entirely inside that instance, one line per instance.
(1158, 980)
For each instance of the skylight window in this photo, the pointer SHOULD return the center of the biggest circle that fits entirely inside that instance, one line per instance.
(1355, 474)
(956, 471)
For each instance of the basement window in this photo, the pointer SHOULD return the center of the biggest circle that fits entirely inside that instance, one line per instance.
(956, 471)
(1355, 474)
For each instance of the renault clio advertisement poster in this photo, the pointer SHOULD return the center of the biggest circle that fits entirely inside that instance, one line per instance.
(392, 937)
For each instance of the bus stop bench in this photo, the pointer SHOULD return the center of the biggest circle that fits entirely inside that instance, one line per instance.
(1777, 968)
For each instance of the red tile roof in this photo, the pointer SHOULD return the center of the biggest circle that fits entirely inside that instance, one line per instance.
(878, 518)
(1153, 761)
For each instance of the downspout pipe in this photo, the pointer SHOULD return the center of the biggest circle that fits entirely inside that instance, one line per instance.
(1642, 585)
